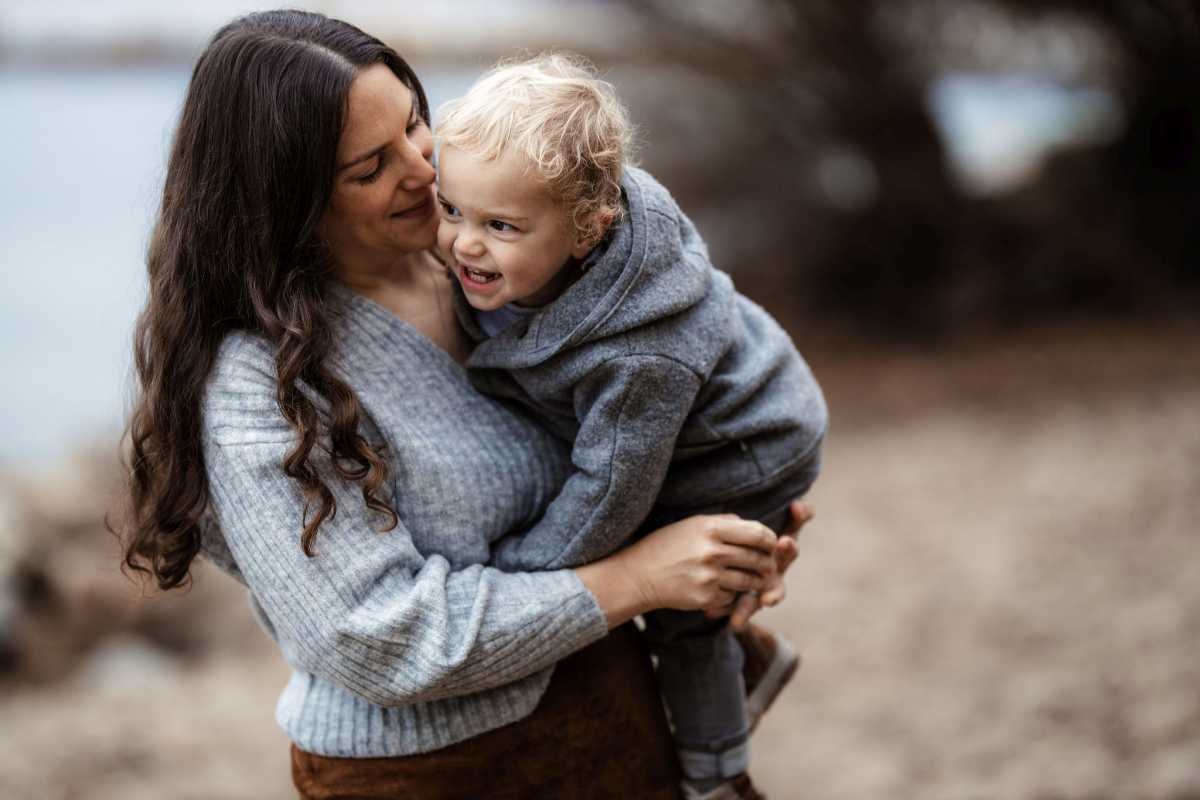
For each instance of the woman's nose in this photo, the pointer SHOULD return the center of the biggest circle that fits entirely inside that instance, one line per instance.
(418, 155)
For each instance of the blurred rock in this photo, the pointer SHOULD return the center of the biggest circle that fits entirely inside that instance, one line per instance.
(62, 592)
(126, 665)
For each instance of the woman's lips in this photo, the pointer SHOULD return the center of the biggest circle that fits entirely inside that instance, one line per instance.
(417, 210)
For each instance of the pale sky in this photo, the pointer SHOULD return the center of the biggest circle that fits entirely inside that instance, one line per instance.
(462, 26)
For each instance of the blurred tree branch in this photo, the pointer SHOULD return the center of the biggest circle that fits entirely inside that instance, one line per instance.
(835, 91)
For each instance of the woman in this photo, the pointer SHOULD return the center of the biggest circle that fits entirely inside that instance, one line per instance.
(304, 419)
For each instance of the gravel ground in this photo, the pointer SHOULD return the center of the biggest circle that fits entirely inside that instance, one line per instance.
(999, 598)
(1000, 595)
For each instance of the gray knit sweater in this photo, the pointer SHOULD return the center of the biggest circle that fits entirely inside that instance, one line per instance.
(400, 641)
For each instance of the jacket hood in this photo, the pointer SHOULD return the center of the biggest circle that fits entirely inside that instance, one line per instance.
(654, 265)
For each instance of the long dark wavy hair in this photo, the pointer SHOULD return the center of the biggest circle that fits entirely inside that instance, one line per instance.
(236, 247)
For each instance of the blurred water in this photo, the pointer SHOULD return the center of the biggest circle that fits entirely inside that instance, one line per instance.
(999, 128)
(81, 164)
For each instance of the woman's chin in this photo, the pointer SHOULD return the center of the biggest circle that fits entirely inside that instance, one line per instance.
(411, 237)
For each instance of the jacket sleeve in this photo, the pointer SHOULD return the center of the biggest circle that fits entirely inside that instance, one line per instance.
(370, 612)
(630, 412)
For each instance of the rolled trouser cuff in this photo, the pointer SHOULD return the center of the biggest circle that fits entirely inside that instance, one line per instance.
(728, 763)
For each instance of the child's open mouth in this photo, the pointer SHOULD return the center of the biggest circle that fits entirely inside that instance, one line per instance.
(479, 276)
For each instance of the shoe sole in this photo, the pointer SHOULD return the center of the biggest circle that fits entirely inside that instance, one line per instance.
(779, 673)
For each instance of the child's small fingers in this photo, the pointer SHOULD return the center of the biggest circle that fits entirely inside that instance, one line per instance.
(801, 513)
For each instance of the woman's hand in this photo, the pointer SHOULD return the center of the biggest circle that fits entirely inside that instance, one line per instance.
(747, 605)
(699, 562)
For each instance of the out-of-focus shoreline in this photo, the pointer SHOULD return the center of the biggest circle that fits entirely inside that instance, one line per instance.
(428, 33)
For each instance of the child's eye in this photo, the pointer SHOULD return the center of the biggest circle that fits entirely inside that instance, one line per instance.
(448, 210)
(499, 225)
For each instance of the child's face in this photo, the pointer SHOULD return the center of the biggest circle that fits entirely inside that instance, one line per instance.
(504, 236)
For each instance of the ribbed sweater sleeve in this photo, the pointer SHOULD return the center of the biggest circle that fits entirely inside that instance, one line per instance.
(369, 612)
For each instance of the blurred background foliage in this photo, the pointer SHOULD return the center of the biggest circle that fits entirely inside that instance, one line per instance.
(827, 136)
(914, 171)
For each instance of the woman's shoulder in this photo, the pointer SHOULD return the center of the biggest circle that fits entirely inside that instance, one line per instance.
(243, 359)
(240, 396)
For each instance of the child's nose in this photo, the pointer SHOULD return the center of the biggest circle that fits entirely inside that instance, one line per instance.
(469, 243)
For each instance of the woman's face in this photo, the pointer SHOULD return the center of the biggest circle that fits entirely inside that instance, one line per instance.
(383, 203)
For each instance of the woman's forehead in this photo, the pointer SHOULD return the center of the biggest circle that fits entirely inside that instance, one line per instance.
(378, 103)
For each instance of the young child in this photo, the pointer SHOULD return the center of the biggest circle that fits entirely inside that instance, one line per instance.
(595, 306)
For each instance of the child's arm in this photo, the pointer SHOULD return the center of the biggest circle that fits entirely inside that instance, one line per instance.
(630, 411)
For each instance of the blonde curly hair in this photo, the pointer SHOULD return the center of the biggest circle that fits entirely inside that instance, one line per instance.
(554, 110)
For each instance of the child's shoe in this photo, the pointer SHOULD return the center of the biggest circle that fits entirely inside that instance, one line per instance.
(738, 788)
(770, 663)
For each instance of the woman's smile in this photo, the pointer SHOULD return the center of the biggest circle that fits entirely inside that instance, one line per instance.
(419, 210)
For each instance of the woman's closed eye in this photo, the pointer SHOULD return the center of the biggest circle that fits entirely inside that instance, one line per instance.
(374, 174)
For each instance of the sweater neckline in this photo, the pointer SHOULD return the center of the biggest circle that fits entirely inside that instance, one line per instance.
(361, 304)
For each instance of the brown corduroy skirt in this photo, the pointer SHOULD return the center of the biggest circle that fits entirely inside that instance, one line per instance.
(599, 732)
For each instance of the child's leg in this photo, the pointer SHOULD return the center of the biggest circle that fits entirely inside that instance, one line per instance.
(700, 674)
(700, 671)
(700, 677)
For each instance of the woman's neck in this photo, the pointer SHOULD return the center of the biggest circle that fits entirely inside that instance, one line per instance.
(379, 277)
(417, 289)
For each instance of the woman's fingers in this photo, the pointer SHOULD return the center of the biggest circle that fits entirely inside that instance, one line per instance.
(735, 580)
(755, 560)
(726, 597)
(743, 533)
(785, 553)
(774, 595)
(744, 558)
(716, 612)
(743, 610)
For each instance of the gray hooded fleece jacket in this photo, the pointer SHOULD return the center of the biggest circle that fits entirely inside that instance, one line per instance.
(680, 395)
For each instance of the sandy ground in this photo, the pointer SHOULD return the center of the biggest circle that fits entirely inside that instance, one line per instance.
(1000, 598)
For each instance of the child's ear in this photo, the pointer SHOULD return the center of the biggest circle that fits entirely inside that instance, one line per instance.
(585, 242)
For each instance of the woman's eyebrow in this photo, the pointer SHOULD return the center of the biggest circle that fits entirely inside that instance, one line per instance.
(364, 157)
